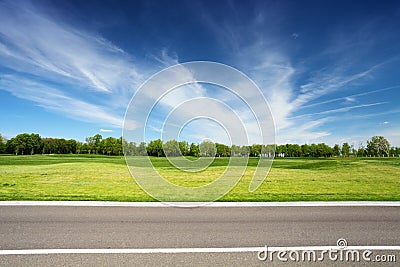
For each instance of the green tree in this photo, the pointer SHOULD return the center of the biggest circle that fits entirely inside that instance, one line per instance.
(130, 149)
(345, 149)
(79, 147)
(236, 151)
(61, 145)
(289, 150)
(245, 150)
(314, 150)
(25, 144)
(305, 150)
(294, 150)
(172, 148)
(111, 146)
(96, 142)
(222, 150)
(184, 148)
(361, 152)
(323, 150)
(118, 147)
(354, 151)
(49, 146)
(71, 146)
(93, 143)
(378, 146)
(155, 148)
(392, 152)
(336, 150)
(141, 150)
(3, 146)
(207, 149)
(255, 150)
(106, 146)
(281, 151)
(194, 150)
(269, 150)
(90, 147)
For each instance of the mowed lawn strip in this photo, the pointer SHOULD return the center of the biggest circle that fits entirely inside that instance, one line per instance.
(92, 177)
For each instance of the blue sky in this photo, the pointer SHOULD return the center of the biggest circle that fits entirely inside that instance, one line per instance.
(328, 69)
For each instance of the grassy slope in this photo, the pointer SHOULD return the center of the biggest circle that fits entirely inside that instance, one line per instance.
(72, 177)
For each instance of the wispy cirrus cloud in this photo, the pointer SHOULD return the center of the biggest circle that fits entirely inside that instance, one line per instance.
(351, 97)
(33, 42)
(328, 81)
(338, 110)
(60, 64)
(293, 87)
(288, 100)
(68, 69)
(56, 100)
(166, 59)
(106, 131)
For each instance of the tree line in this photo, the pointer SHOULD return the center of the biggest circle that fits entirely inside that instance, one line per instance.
(29, 144)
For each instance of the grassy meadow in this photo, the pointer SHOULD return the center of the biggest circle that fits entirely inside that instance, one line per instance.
(91, 177)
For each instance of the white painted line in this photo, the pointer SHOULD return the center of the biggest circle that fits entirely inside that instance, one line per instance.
(186, 250)
(211, 204)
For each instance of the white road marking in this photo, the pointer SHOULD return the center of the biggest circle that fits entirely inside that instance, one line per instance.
(186, 250)
(211, 204)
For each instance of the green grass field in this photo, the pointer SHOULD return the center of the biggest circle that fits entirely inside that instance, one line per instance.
(85, 177)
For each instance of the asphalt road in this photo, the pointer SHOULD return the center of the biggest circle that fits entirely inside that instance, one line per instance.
(44, 227)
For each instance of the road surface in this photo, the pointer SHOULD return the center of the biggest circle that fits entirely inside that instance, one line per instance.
(47, 228)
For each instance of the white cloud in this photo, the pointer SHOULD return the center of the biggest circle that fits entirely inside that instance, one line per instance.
(354, 96)
(165, 59)
(350, 99)
(33, 42)
(55, 100)
(338, 110)
(326, 82)
(195, 99)
(276, 76)
(271, 68)
(158, 130)
(66, 64)
(52, 53)
(106, 131)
